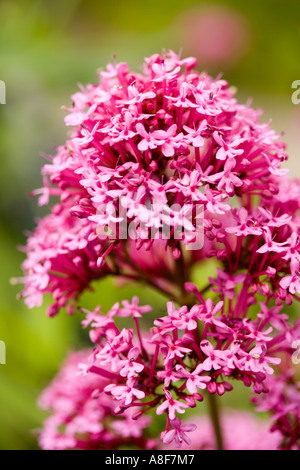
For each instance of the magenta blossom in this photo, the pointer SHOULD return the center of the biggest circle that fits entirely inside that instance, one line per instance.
(178, 433)
(82, 414)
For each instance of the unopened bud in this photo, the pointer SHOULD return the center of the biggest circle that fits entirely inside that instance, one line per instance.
(228, 387)
(265, 289)
(190, 287)
(95, 393)
(207, 223)
(258, 387)
(211, 253)
(220, 236)
(77, 260)
(247, 381)
(198, 396)
(221, 254)
(85, 202)
(92, 236)
(94, 335)
(274, 189)
(176, 253)
(210, 235)
(289, 299)
(153, 165)
(216, 223)
(187, 338)
(282, 293)
(271, 272)
(118, 410)
(212, 387)
(190, 401)
(100, 262)
(77, 211)
(220, 389)
(137, 415)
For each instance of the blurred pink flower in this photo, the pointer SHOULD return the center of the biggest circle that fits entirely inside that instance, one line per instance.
(241, 431)
(82, 414)
(216, 34)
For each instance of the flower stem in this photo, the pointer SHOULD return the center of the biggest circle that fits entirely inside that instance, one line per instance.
(215, 418)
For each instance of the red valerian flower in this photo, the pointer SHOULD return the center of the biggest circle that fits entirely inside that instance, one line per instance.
(146, 151)
(172, 136)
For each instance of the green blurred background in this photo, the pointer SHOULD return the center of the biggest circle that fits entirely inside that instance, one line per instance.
(46, 49)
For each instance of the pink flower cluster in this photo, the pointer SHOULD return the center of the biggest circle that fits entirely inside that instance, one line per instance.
(82, 413)
(145, 151)
(61, 259)
(186, 351)
(284, 406)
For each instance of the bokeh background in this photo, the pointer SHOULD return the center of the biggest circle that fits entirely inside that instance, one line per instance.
(46, 49)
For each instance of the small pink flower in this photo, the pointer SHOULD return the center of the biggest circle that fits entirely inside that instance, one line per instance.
(182, 99)
(137, 97)
(129, 366)
(149, 141)
(125, 393)
(270, 245)
(292, 283)
(172, 349)
(187, 320)
(215, 202)
(194, 379)
(208, 316)
(170, 140)
(171, 405)
(228, 179)
(194, 135)
(227, 150)
(244, 228)
(133, 309)
(178, 433)
(215, 358)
